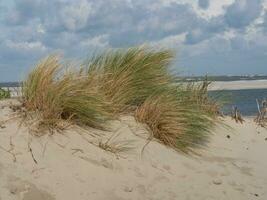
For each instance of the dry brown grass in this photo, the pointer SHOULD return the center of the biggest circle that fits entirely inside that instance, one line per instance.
(115, 146)
(52, 95)
(160, 113)
(178, 119)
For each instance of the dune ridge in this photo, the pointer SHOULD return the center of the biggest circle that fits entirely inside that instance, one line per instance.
(71, 165)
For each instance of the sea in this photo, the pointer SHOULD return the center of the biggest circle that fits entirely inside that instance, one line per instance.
(244, 100)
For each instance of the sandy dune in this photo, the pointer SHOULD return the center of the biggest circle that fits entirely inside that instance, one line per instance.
(69, 167)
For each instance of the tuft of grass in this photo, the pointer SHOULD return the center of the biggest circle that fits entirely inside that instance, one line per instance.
(55, 96)
(128, 77)
(4, 94)
(181, 117)
(117, 147)
(197, 93)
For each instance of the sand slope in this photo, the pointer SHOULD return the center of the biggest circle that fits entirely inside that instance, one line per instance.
(69, 167)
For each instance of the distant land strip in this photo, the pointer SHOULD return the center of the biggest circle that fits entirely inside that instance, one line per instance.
(238, 85)
(10, 84)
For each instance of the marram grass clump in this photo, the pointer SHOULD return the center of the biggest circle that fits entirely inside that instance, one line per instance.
(136, 81)
(127, 77)
(55, 95)
(178, 119)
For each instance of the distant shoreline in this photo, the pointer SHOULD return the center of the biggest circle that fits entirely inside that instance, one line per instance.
(238, 85)
(10, 84)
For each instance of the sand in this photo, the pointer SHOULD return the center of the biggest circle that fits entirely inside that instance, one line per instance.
(238, 85)
(70, 167)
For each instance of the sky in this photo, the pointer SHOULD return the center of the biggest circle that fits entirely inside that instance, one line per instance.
(214, 37)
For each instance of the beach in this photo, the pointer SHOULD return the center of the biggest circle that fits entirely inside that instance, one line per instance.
(238, 85)
(122, 133)
(133, 100)
(71, 165)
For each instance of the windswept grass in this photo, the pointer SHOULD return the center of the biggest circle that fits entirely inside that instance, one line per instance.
(197, 94)
(126, 81)
(178, 118)
(128, 76)
(139, 80)
(56, 96)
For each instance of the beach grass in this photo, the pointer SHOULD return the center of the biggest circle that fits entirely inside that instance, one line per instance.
(135, 81)
(139, 80)
(56, 95)
(182, 117)
(127, 77)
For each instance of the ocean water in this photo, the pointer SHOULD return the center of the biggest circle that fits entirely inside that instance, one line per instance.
(245, 100)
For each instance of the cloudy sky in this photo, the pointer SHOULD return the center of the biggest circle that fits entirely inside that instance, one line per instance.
(210, 36)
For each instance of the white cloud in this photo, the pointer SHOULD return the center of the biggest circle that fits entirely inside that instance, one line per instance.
(174, 41)
(40, 29)
(75, 15)
(31, 28)
(97, 42)
(25, 46)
